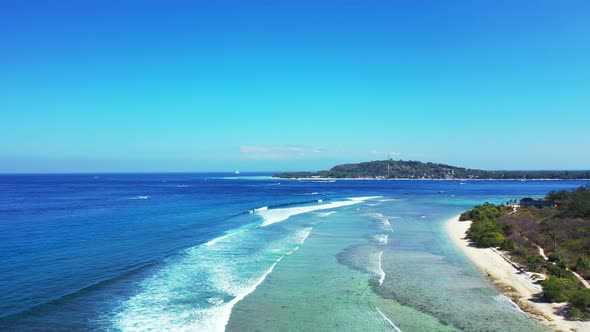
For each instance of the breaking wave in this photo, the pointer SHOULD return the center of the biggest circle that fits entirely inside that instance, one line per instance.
(380, 271)
(272, 216)
(382, 238)
(197, 289)
(384, 220)
(395, 328)
(140, 197)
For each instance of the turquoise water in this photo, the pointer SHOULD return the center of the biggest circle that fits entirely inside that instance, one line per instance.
(209, 252)
(385, 264)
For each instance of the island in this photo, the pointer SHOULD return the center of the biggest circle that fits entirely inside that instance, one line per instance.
(400, 169)
(536, 251)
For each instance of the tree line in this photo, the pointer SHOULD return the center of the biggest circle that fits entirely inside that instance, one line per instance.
(562, 231)
(400, 169)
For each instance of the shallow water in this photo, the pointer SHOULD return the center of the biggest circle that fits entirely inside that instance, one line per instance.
(346, 277)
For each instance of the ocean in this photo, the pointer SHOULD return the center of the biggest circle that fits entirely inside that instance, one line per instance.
(214, 252)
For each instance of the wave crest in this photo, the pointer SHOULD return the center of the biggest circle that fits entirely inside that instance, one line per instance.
(197, 289)
(272, 216)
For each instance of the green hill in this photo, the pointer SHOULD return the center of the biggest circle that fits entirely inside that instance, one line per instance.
(399, 169)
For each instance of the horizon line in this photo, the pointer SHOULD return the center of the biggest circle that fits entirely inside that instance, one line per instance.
(254, 172)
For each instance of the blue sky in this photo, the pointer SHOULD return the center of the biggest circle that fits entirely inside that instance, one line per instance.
(90, 86)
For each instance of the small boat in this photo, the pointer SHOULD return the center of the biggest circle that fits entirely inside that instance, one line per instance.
(237, 172)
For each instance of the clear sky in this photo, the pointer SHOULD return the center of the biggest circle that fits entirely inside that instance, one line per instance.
(109, 86)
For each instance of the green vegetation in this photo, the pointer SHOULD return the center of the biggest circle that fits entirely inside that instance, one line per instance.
(485, 230)
(583, 265)
(560, 271)
(581, 298)
(508, 245)
(563, 232)
(573, 204)
(557, 289)
(534, 263)
(400, 169)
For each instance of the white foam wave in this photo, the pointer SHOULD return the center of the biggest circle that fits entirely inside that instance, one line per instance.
(140, 197)
(375, 267)
(277, 215)
(227, 309)
(380, 269)
(506, 300)
(384, 220)
(305, 234)
(365, 198)
(325, 214)
(183, 186)
(215, 300)
(197, 291)
(395, 328)
(382, 238)
(249, 290)
(260, 209)
(292, 251)
(212, 242)
(316, 181)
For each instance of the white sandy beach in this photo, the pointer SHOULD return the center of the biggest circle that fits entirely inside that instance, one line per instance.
(516, 284)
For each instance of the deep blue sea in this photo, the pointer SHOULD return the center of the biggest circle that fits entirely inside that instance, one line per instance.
(178, 251)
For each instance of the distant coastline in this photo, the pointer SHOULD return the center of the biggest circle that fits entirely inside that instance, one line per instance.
(414, 179)
(416, 170)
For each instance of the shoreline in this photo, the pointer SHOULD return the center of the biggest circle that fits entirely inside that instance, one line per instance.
(515, 283)
(421, 179)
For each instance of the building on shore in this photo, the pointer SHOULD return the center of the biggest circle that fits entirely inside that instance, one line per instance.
(527, 202)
